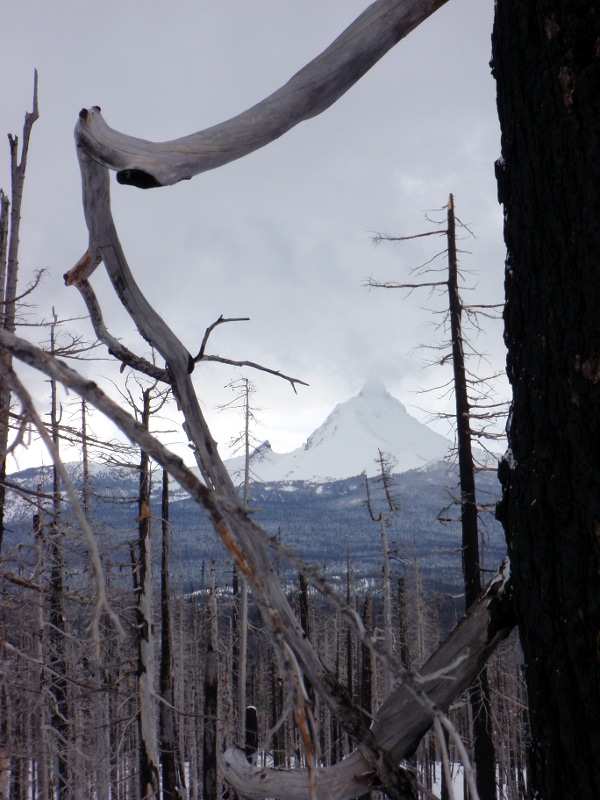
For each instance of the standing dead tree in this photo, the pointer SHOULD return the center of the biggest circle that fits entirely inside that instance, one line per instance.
(383, 518)
(10, 224)
(469, 511)
(419, 700)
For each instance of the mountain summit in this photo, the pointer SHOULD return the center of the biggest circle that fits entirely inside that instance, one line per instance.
(348, 441)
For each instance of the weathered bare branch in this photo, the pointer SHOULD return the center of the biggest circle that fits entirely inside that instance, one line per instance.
(220, 321)
(373, 284)
(254, 365)
(32, 286)
(115, 347)
(378, 238)
(202, 356)
(312, 90)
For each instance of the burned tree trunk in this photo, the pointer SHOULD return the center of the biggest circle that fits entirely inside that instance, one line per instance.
(148, 748)
(468, 500)
(172, 773)
(546, 61)
(479, 696)
(59, 716)
(210, 741)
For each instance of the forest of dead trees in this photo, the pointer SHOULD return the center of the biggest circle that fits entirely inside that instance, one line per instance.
(71, 715)
(175, 675)
(118, 682)
(142, 702)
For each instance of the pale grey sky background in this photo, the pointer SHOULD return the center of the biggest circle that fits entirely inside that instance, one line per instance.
(283, 235)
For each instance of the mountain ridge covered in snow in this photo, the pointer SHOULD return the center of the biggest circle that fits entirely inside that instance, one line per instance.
(348, 443)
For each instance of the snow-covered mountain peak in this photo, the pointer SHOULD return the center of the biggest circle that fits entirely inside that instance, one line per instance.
(375, 390)
(349, 440)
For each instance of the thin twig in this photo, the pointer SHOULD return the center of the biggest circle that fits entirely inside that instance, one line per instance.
(253, 365)
(220, 321)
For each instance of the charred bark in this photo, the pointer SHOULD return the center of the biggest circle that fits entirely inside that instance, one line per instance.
(483, 745)
(59, 716)
(546, 59)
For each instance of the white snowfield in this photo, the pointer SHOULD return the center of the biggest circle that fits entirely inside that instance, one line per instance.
(348, 441)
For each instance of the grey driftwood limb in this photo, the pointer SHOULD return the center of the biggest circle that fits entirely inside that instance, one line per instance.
(309, 92)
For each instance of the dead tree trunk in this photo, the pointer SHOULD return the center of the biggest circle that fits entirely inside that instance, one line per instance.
(148, 750)
(210, 773)
(383, 519)
(468, 501)
(172, 772)
(209, 750)
(366, 667)
(545, 59)
(41, 713)
(59, 716)
(10, 223)
(305, 623)
(479, 697)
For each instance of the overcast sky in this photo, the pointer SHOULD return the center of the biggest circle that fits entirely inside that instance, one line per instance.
(283, 235)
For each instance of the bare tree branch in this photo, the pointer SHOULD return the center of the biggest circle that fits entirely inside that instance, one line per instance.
(221, 321)
(254, 365)
(115, 347)
(312, 90)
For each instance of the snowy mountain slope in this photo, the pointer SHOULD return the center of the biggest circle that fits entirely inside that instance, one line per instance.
(348, 441)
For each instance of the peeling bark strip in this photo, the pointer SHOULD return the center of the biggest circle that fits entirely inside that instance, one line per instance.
(312, 90)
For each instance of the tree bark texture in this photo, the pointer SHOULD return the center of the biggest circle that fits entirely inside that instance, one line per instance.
(546, 58)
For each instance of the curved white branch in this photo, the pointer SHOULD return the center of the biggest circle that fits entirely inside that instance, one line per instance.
(403, 718)
(309, 92)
